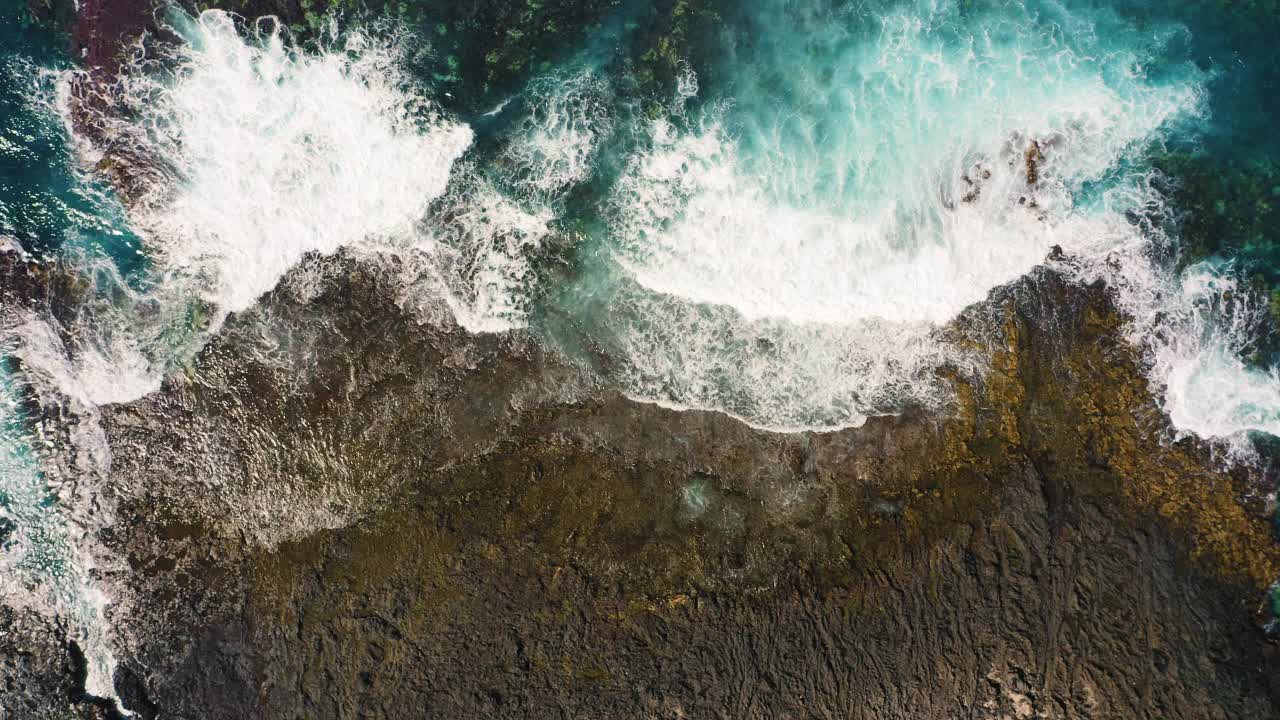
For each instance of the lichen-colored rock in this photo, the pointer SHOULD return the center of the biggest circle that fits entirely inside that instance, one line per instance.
(419, 523)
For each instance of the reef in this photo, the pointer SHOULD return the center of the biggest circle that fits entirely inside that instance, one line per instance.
(336, 510)
(475, 54)
(418, 522)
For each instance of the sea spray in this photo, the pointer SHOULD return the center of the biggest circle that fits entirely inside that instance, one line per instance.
(475, 260)
(267, 152)
(781, 244)
(553, 146)
(497, 216)
(785, 248)
(242, 152)
(1197, 327)
(44, 561)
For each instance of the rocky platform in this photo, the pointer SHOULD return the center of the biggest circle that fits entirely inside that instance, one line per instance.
(338, 512)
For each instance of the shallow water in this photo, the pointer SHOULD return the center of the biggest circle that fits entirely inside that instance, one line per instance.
(779, 239)
(42, 563)
(854, 180)
(779, 233)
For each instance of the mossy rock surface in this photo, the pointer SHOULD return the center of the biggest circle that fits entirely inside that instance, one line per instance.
(425, 523)
(395, 519)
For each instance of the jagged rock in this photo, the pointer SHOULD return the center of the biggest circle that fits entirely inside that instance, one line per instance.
(492, 534)
(1031, 158)
(41, 674)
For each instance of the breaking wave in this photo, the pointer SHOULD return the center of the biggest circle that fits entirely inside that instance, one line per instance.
(798, 239)
(782, 241)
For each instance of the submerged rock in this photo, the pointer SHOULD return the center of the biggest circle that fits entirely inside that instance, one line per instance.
(338, 511)
(41, 674)
(399, 520)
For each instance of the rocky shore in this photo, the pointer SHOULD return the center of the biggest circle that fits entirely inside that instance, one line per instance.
(336, 511)
(424, 523)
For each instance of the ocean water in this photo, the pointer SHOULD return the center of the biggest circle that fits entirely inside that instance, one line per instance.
(788, 245)
(43, 562)
(50, 204)
(780, 233)
(49, 201)
(780, 238)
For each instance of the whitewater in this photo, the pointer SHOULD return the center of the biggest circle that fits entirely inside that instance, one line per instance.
(786, 244)
(783, 248)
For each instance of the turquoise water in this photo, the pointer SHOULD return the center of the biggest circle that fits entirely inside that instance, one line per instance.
(776, 230)
(47, 200)
(783, 238)
(767, 209)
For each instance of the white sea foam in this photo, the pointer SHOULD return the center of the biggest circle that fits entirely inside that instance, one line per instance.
(553, 148)
(474, 257)
(846, 201)
(270, 152)
(775, 374)
(244, 153)
(1209, 389)
(475, 251)
(1196, 327)
(241, 154)
(46, 562)
(787, 254)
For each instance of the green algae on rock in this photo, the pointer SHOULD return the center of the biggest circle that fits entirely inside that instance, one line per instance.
(521, 503)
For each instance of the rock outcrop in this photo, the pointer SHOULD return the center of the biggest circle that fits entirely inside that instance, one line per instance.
(339, 512)
(421, 523)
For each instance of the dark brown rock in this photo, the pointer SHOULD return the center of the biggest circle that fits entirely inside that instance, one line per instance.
(41, 673)
(419, 523)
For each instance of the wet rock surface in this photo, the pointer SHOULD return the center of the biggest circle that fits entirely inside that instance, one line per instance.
(41, 673)
(420, 523)
(339, 512)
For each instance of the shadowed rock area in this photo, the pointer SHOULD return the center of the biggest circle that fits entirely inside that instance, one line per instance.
(396, 520)
(338, 512)
(41, 674)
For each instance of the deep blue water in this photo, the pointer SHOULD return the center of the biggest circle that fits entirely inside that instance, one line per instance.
(47, 200)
